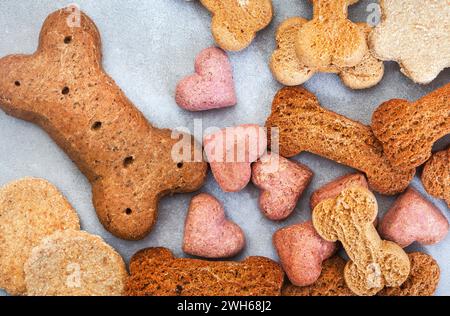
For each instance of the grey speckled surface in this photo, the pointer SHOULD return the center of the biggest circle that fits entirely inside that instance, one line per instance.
(148, 46)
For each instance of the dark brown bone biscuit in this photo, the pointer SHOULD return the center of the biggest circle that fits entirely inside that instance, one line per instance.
(156, 272)
(305, 126)
(63, 88)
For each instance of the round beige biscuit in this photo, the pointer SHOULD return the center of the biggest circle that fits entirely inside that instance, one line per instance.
(30, 209)
(74, 263)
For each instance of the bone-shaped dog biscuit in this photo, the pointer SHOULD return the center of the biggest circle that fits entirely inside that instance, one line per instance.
(408, 130)
(235, 22)
(303, 125)
(374, 263)
(157, 272)
(63, 88)
(331, 40)
(290, 71)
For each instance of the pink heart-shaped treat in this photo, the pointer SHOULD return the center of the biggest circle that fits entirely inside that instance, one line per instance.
(282, 183)
(413, 218)
(208, 233)
(301, 251)
(212, 85)
(230, 153)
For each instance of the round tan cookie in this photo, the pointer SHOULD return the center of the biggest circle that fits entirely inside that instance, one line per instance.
(74, 263)
(30, 209)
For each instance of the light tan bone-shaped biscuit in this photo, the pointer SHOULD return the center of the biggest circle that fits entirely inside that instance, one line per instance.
(235, 22)
(303, 125)
(374, 263)
(331, 40)
(63, 88)
(288, 70)
(408, 130)
(436, 175)
(414, 33)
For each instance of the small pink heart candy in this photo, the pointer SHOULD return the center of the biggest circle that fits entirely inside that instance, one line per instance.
(282, 183)
(208, 233)
(301, 251)
(413, 218)
(211, 87)
(231, 152)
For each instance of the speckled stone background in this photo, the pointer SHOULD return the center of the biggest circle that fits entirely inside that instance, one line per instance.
(148, 46)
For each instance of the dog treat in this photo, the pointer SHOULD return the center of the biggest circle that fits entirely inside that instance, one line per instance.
(63, 88)
(408, 130)
(288, 70)
(302, 251)
(74, 263)
(436, 175)
(330, 283)
(156, 272)
(413, 218)
(374, 263)
(230, 153)
(30, 209)
(282, 182)
(422, 281)
(207, 232)
(330, 41)
(235, 22)
(303, 125)
(414, 33)
(212, 85)
(332, 189)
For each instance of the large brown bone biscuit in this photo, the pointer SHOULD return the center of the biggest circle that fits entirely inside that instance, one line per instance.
(374, 263)
(63, 88)
(156, 272)
(408, 130)
(305, 126)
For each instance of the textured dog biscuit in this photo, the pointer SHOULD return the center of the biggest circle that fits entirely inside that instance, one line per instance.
(332, 189)
(330, 283)
(63, 89)
(413, 218)
(288, 70)
(235, 22)
(305, 126)
(156, 272)
(374, 263)
(30, 209)
(302, 251)
(414, 33)
(74, 263)
(330, 40)
(436, 175)
(282, 182)
(409, 130)
(422, 281)
(208, 233)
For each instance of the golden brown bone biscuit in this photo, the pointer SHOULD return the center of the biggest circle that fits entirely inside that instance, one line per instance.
(331, 40)
(235, 22)
(408, 130)
(422, 281)
(63, 88)
(305, 126)
(436, 175)
(288, 70)
(374, 263)
(156, 272)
